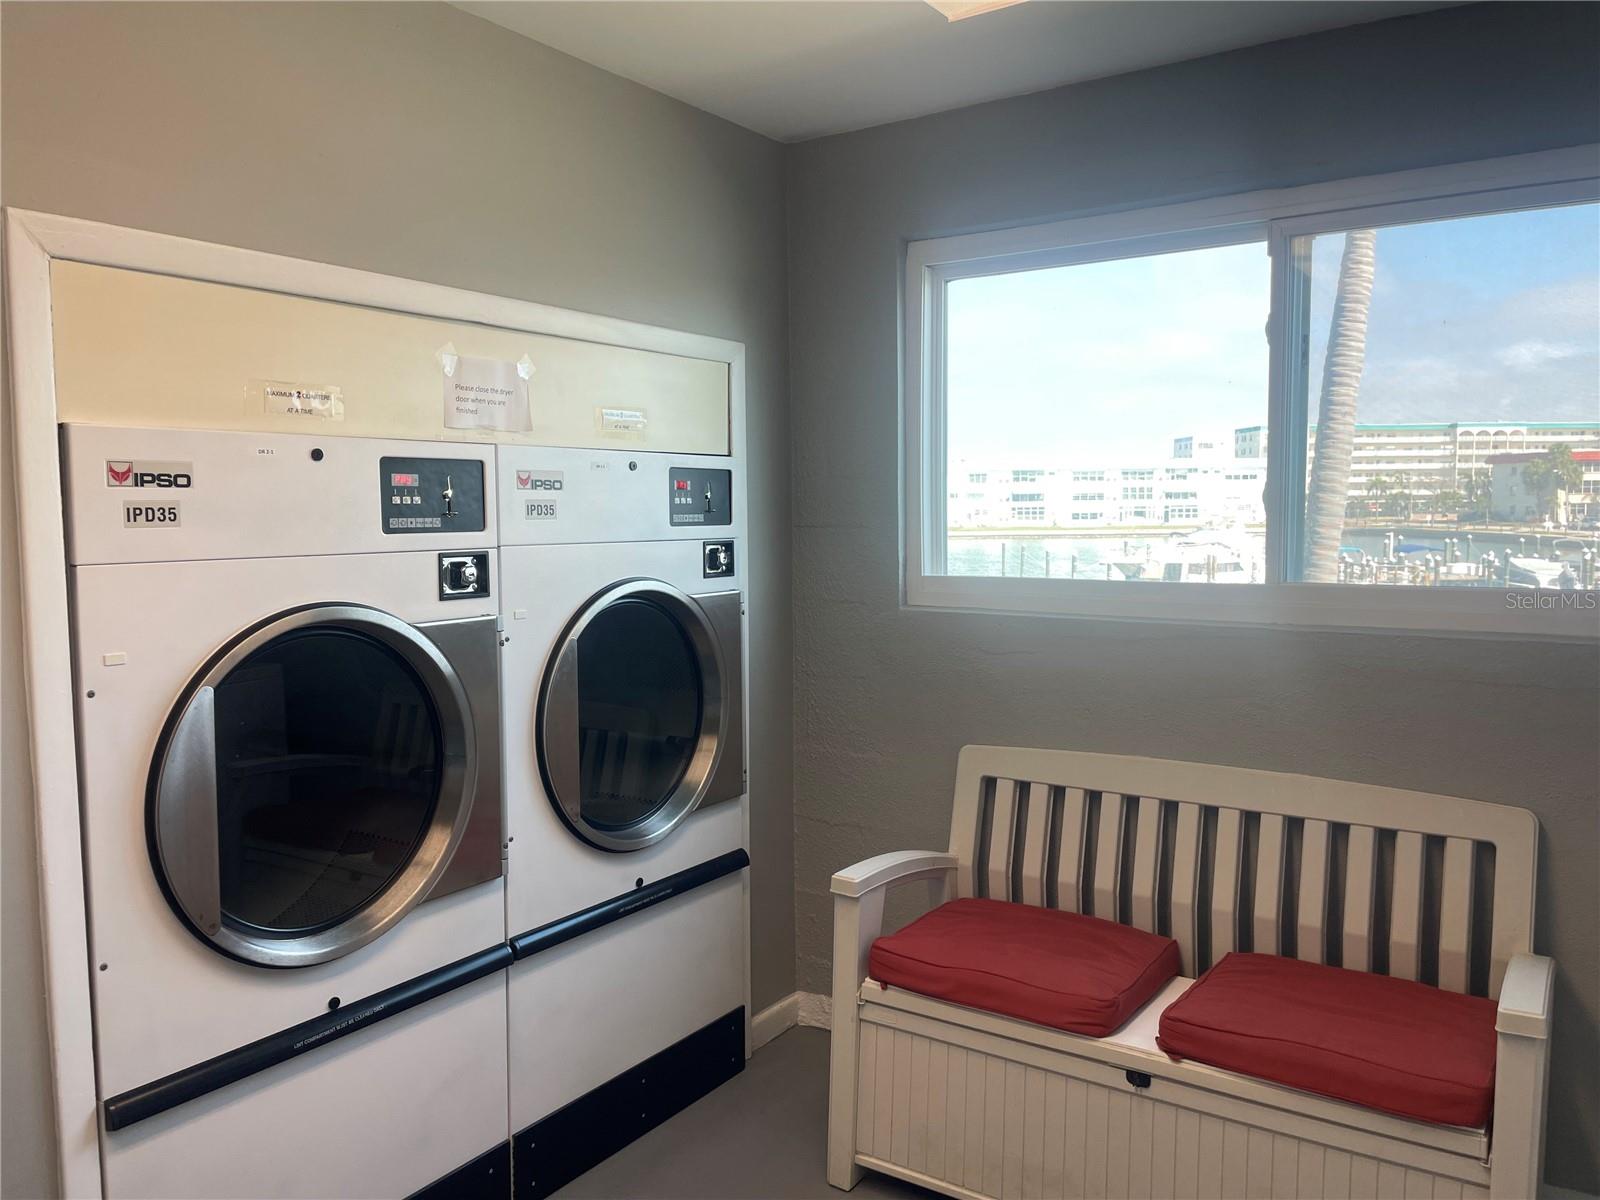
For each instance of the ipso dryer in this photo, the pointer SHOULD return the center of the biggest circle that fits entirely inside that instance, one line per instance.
(622, 596)
(287, 689)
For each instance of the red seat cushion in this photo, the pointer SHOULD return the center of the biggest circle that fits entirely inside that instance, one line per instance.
(1389, 1044)
(1053, 968)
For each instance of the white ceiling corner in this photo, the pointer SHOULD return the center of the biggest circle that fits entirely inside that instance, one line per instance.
(798, 69)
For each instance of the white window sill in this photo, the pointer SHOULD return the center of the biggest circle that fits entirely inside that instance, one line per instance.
(1487, 612)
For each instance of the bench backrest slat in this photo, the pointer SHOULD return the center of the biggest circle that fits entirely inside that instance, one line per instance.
(1227, 855)
(1267, 931)
(1405, 908)
(1146, 862)
(1360, 889)
(1311, 907)
(1455, 916)
(1036, 846)
(1185, 895)
(1071, 817)
(1224, 858)
(1107, 873)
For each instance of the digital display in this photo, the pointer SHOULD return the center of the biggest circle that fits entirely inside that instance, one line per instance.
(681, 485)
(403, 479)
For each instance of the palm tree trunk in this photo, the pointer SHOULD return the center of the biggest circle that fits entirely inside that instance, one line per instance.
(1336, 414)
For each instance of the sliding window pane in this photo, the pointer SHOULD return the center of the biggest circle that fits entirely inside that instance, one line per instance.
(1107, 420)
(1452, 396)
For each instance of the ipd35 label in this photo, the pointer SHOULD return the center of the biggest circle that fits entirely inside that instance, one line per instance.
(149, 516)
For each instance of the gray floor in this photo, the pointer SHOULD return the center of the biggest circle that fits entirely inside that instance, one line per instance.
(762, 1136)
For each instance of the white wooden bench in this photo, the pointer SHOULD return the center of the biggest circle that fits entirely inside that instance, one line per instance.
(973, 1104)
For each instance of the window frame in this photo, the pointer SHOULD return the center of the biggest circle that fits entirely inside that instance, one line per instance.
(1276, 218)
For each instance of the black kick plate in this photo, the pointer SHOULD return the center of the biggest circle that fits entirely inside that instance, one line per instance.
(486, 1177)
(553, 1152)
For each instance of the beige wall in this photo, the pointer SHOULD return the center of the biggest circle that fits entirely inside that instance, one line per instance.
(418, 141)
(886, 695)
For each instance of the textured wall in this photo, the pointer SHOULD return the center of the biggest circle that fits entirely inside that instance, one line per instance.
(885, 696)
(419, 141)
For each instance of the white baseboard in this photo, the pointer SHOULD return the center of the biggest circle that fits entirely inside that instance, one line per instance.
(809, 1009)
(773, 1020)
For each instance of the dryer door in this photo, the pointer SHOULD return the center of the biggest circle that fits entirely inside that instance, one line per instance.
(311, 785)
(639, 718)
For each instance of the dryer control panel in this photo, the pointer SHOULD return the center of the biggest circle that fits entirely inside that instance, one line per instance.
(431, 495)
(700, 496)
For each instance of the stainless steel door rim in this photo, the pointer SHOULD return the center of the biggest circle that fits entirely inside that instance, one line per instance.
(183, 794)
(558, 733)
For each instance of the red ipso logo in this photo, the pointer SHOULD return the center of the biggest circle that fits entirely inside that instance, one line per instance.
(148, 474)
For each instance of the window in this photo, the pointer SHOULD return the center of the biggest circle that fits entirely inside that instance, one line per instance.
(1440, 472)
(1486, 321)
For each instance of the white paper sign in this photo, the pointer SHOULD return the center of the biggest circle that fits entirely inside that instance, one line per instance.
(300, 400)
(485, 393)
(623, 422)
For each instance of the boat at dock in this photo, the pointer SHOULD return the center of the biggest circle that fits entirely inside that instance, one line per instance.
(1214, 554)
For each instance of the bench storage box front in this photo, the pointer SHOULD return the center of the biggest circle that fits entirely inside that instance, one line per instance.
(1291, 886)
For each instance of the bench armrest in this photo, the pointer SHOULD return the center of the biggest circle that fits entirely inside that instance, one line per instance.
(1525, 996)
(895, 867)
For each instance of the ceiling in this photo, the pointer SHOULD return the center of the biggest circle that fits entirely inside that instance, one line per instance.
(797, 70)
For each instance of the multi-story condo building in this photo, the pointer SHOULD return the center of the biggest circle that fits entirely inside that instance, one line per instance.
(1427, 458)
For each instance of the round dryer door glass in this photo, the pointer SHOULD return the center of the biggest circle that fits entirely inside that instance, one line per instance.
(312, 785)
(329, 761)
(631, 715)
(639, 710)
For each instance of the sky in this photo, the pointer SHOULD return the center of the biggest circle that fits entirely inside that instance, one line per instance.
(1477, 318)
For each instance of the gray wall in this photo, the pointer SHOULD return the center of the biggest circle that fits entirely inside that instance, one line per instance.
(596, 194)
(885, 696)
(418, 141)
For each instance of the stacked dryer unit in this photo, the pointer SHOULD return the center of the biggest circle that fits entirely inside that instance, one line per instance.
(286, 678)
(622, 597)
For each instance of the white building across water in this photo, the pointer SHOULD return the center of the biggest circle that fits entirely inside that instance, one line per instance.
(1202, 482)
(1212, 479)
